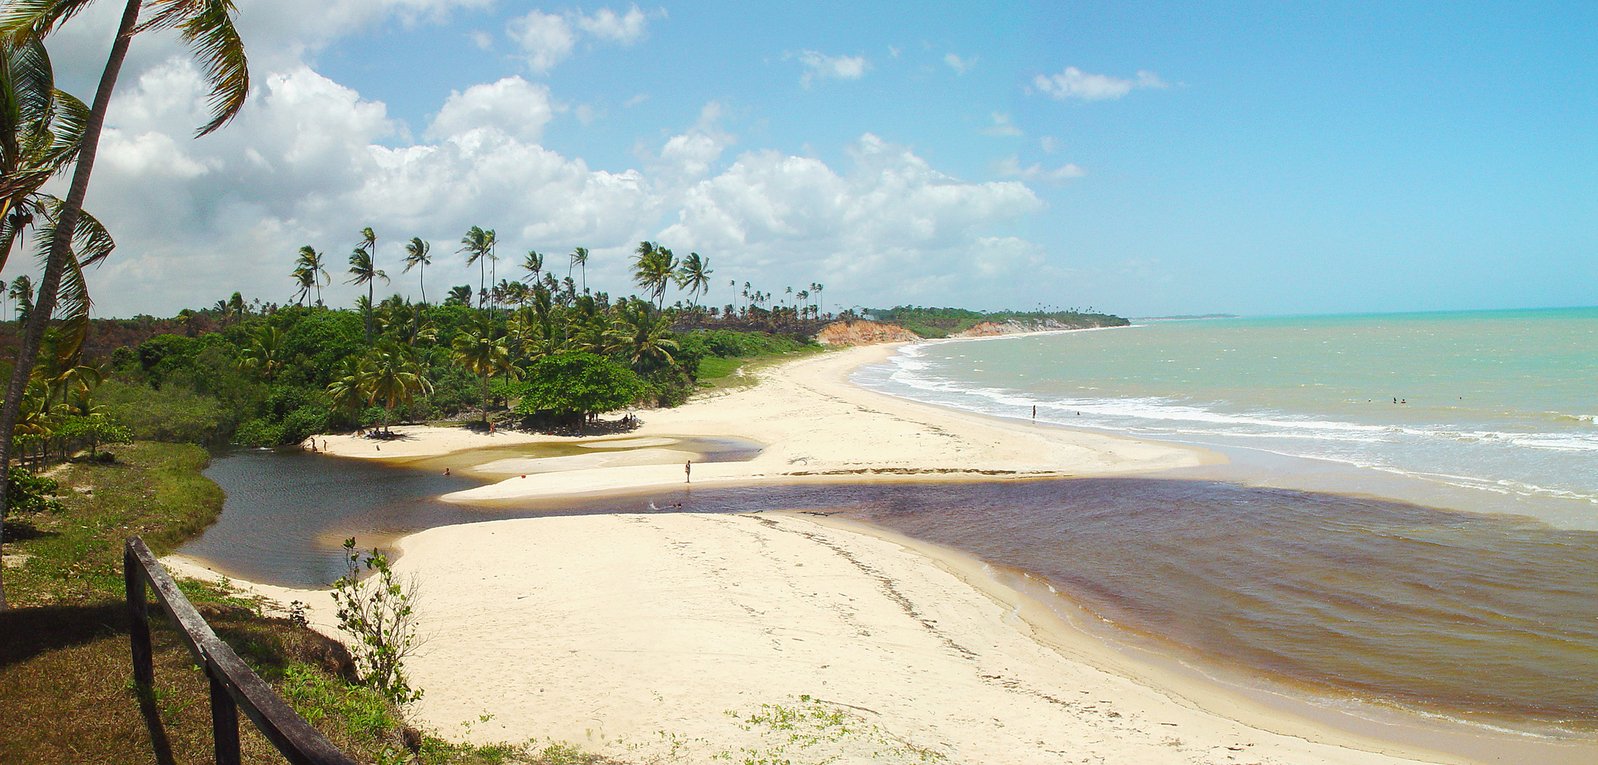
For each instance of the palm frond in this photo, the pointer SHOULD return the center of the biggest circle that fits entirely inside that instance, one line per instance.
(207, 27)
(20, 18)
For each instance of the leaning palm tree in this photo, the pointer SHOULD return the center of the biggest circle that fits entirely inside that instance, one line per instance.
(476, 245)
(580, 259)
(363, 271)
(417, 254)
(533, 264)
(310, 265)
(653, 267)
(694, 276)
(207, 27)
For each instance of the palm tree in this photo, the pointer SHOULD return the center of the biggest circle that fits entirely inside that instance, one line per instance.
(482, 353)
(264, 353)
(310, 266)
(363, 271)
(821, 308)
(21, 294)
(390, 375)
(493, 258)
(208, 29)
(642, 336)
(305, 279)
(653, 268)
(580, 259)
(476, 244)
(533, 264)
(417, 254)
(460, 294)
(694, 276)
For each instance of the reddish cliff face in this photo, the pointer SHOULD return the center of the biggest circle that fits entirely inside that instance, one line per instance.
(843, 334)
(988, 329)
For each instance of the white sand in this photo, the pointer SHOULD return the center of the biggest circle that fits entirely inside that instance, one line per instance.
(656, 638)
(816, 427)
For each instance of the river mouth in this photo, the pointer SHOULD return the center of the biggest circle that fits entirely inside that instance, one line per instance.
(1479, 618)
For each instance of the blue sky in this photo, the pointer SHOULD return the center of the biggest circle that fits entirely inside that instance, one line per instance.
(1141, 158)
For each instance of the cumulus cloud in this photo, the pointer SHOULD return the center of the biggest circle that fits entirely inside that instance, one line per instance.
(1075, 84)
(624, 28)
(312, 161)
(547, 39)
(512, 106)
(887, 218)
(819, 65)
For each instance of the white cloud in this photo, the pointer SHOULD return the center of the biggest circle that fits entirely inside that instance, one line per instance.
(1049, 144)
(690, 155)
(482, 40)
(1001, 127)
(311, 161)
(624, 28)
(546, 39)
(1073, 83)
(890, 218)
(958, 64)
(512, 106)
(819, 65)
(1010, 167)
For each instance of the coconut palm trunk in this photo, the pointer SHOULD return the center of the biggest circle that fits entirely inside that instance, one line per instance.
(60, 246)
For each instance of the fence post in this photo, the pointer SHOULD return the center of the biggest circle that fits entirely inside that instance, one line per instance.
(224, 720)
(138, 621)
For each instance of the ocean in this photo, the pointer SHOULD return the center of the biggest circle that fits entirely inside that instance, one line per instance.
(1491, 410)
(1408, 517)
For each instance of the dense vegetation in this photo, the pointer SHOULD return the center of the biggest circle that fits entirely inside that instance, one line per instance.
(943, 322)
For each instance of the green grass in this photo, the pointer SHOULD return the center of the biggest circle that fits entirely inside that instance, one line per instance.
(718, 373)
(65, 671)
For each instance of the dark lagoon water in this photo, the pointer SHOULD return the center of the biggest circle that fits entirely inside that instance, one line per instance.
(1483, 618)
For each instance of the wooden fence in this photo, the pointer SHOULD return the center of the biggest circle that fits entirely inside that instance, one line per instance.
(233, 684)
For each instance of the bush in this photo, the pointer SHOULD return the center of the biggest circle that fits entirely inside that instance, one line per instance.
(29, 493)
(173, 413)
(379, 612)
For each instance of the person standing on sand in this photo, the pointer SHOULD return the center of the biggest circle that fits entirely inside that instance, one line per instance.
(688, 471)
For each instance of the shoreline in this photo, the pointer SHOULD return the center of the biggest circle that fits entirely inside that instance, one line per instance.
(815, 425)
(899, 441)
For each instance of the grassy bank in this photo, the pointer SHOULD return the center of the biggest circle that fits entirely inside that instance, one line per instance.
(64, 660)
(728, 360)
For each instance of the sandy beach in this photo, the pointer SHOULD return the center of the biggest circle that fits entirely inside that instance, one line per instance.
(699, 638)
(814, 425)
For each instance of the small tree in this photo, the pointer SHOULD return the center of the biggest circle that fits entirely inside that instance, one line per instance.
(573, 387)
(380, 613)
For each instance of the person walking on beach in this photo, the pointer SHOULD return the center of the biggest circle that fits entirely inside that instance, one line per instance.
(688, 471)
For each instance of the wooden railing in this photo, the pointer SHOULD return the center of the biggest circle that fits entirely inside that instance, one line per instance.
(233, 684)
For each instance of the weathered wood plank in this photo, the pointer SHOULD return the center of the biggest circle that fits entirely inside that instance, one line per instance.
(230, 676)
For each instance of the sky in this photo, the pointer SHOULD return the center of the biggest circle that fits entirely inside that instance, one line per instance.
(1139, 158)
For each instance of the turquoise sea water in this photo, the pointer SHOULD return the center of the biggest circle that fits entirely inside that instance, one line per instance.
(1495, 407)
